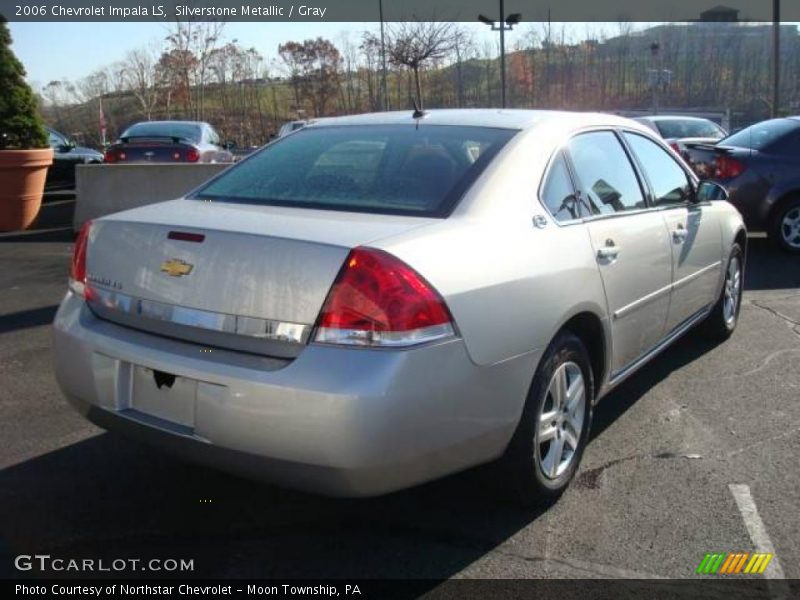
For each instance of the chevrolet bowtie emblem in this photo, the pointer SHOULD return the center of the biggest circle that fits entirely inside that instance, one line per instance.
(176, 268)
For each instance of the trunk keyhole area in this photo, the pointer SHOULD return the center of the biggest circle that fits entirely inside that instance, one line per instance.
(161, 378)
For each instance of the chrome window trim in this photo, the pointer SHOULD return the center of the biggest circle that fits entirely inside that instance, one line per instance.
(634, 163)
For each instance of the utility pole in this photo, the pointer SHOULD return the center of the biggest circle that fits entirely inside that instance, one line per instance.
(776, 57)
(503, 25)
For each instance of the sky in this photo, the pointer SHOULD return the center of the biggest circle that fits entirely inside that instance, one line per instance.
(58, 51)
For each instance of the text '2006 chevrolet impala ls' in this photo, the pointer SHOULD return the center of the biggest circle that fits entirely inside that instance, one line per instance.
(376, 301)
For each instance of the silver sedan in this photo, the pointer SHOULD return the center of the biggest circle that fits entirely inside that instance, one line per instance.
(380, 300)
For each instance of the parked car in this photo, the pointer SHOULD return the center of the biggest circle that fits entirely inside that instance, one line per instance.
(379, 300)
(678, 131)
(169, 141)
(66, 156)
(291, 126)
(760, 167)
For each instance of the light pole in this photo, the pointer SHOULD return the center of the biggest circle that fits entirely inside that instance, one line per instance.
(502, 25)
(776, 57)
(383, 60)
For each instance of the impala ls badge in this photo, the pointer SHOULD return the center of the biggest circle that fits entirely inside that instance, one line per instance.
(176, 268)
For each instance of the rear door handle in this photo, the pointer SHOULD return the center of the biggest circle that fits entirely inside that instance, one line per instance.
(608, 252)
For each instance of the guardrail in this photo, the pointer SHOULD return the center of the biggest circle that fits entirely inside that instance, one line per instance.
(105, 189)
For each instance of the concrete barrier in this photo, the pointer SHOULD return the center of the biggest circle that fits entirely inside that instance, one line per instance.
(105, 189)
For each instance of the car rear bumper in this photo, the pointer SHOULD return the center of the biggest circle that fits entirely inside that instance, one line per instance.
(350, 422)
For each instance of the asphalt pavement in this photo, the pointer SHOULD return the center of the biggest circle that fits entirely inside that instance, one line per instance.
(653, 494)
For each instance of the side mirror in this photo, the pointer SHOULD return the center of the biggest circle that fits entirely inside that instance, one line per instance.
(66, 147)
(229, 145)
(710, 190)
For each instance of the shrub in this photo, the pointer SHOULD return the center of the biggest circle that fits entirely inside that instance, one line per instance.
(21, 126)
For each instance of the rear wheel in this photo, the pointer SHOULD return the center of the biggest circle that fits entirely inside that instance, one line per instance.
(785, 226)
(548, 444)
(725, 314)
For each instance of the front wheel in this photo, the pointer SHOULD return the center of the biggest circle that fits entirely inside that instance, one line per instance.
(722, 321)
(549, 441)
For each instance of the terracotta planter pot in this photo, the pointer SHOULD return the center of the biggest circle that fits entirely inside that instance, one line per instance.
(22, 175)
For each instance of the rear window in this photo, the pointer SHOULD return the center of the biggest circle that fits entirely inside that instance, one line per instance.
(689, 128)
(761, 135)
(391, 169)
(183, 131)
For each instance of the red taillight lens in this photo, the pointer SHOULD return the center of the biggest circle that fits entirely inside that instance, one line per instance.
(726, 167)
(110, 157)
(192, 155)
(675, 146)
(77, 272)
(378, 300)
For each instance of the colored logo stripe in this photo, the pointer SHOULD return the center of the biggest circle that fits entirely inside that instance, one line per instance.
(730, 563)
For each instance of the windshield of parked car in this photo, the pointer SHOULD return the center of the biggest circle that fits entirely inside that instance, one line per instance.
(393, 169)
(689, 128)
(185, 131)
(761, 135)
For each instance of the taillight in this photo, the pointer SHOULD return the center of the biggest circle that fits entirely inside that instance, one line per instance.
(192, 155)
(378, 300)
(675, 146)
(109, 156)
(726, 167)
(77, 272)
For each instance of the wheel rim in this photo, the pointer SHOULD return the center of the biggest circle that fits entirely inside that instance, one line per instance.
(790, 227)
(560, 423)
(733, 289)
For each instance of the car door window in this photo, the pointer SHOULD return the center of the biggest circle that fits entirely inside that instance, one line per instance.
(607, 180)
(669, 182)
(557, 192)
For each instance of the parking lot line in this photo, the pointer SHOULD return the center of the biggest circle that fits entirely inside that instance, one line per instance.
(755, 527)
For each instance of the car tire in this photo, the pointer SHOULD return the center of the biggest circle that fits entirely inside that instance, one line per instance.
(784, 228)
(536, 466)
(720, 324)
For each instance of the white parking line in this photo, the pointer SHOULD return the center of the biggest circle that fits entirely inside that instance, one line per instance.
(756, 529)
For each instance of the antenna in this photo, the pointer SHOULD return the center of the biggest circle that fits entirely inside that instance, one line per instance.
(418, 112)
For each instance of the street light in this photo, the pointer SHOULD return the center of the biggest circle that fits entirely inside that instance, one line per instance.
(503, 25)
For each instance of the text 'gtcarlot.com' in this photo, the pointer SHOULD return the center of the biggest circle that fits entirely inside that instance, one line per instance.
(45, 562)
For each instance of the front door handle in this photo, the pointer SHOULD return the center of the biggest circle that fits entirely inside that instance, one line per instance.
(679, 234)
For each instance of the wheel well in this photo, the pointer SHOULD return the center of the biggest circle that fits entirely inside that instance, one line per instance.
(588, 327)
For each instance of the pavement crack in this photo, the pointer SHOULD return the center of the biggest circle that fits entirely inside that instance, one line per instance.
(793, 324)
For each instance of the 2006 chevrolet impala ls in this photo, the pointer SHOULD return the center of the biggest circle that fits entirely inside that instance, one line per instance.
(376, 301)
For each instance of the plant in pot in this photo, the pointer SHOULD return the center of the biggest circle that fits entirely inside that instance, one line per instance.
(24, 151)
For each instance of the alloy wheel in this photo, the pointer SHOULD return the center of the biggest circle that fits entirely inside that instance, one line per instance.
(790, 227)
(733, 290)
(560, 422)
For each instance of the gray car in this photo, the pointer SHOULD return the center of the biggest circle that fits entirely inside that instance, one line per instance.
(380, 300)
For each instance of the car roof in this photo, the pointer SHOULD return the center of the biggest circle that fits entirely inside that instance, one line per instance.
(654, 118)
(475, 117)
(170, 122)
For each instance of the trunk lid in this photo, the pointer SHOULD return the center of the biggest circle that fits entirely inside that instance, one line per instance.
(153, 150)
(256, 281)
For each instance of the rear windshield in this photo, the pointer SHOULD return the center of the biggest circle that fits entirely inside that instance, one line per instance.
(184, 131)
(689, 128)
(392, 169)
(761, 135)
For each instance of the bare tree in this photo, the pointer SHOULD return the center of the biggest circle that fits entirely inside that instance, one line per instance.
(412, 44)
(141, 78)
